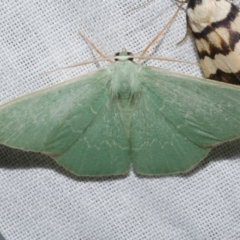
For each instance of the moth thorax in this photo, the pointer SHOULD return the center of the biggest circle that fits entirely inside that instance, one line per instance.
(125, 80)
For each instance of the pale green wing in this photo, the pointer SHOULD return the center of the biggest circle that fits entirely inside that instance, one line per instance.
(74, 122)
(178, 120)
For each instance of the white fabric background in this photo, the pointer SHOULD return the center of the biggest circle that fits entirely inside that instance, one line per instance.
(40, 200)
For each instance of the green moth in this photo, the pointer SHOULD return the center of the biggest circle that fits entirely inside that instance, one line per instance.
(100, 123)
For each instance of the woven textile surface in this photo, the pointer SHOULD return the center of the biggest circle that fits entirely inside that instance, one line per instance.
(38, 198)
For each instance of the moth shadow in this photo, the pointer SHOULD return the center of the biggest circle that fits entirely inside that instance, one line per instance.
(17, 159)
(225, 151)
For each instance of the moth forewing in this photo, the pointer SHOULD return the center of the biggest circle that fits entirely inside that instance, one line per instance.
(215, 25)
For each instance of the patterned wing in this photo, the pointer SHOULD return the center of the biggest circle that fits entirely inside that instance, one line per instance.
(215, 25)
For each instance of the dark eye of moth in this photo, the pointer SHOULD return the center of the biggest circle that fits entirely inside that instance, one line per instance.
(128, 54)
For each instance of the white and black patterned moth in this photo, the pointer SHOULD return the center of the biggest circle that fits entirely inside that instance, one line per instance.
(215, 25)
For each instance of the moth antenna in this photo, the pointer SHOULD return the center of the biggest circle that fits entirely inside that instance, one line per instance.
(179, 1)
(77, 65)
(94, 47)
(188, 29)
(162, 31)
(142, 6)
(166, 59)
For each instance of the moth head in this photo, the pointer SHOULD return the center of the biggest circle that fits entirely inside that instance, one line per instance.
(193, 3)
(124, 56)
